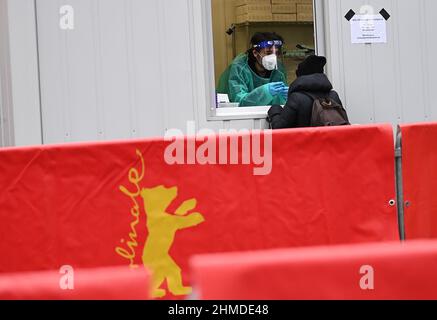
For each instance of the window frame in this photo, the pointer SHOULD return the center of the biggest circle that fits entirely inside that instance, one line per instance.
(260, 112)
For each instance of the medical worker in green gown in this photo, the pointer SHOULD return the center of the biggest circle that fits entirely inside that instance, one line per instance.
(256, 78)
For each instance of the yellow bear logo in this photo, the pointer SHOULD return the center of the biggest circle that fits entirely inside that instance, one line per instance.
(162, 227)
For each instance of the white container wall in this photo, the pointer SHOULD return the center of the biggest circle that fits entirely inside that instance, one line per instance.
(123, 72)
(5, 106)
(134, 68)
(388, 82)
(20, 104)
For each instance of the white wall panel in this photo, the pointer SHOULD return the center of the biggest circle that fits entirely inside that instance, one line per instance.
(20, 106)
(6, 135)
(24, 72)
(388, 82)
(53, 73)
(79, 64)
(115, 80)
(175, 41)
(408, 22)
(117, 74)
(429, 26)
(384, 73)
(148, 88)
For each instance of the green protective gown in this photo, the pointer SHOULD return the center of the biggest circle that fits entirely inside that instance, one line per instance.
(244, 86)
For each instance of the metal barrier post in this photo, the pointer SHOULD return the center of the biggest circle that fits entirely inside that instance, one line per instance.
(399, 184)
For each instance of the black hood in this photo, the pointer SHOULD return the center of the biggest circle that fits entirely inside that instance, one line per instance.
(317, 82)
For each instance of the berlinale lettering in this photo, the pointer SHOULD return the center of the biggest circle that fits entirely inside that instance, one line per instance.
(135, 178)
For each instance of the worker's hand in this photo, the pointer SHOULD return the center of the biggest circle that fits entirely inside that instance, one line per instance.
(277, 88)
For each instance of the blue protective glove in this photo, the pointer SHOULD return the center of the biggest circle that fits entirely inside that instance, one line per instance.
(278, 88)
(284, 92)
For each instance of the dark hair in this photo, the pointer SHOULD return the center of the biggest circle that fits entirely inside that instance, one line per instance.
(312, 64)
(258, 38)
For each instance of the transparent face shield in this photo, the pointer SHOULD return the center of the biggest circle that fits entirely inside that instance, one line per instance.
(270, 47)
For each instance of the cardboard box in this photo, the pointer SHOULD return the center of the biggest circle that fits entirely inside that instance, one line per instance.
(253, 9)
(304, 8)
(284, 1)
(285, 8)
(239, 3)
(305, 17)
(284, 17)
(305, 12)
(253, 17)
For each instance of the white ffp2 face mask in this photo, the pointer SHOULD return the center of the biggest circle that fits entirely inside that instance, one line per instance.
(270, 62)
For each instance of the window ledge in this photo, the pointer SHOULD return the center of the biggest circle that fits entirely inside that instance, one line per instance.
(220, 114)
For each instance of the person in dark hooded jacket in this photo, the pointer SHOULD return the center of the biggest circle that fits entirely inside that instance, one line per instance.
(297, 112)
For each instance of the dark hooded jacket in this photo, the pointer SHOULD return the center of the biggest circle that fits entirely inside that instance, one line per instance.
(298, 109)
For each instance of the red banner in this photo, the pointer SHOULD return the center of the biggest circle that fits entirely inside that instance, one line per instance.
(93, 205)
(386, 271)
(419, 166)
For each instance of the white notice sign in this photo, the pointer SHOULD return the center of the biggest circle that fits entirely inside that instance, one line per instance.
(369, 29)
